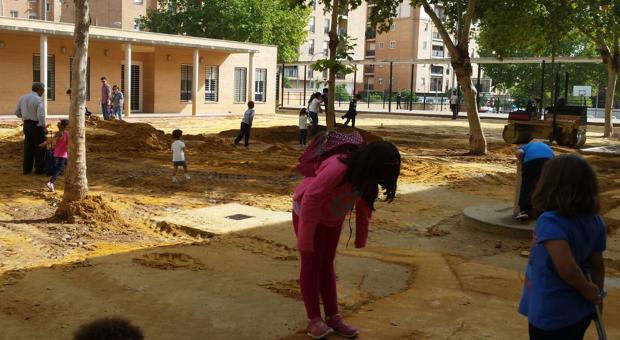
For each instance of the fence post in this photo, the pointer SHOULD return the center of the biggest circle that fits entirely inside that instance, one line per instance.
(542, 88)
(478, 89)
(305, 79)
(354, 79)
(390, 96)
(282, 86)
(411, 89)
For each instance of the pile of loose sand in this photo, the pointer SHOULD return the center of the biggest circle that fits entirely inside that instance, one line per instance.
(94, 211)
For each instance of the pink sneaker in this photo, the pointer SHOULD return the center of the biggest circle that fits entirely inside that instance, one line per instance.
(318, 329)
(50, 186)
(337, 324)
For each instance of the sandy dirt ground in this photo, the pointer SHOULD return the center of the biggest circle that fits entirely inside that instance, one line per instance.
(424, 275)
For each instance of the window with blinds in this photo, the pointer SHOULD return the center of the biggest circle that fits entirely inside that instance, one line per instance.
(87, 76)
(240, 84)
(260, 84)
(186, 82)
(51, 73)
(211, 83)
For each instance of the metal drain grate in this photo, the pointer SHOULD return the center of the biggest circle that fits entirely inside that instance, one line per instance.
(238, 217)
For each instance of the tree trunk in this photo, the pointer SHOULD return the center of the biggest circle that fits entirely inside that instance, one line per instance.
(463, 69)
(330, 114)
(612, 76)
(76, 184)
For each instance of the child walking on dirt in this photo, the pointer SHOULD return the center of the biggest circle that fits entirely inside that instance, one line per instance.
(352, 112)
(569, 239)
(303, 126)
(314, 108)
(320, 204)
(533, 156)
(178, 155)
(246, 125)
(61, 146)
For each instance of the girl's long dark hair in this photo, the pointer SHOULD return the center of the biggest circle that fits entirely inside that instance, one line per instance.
(567, 185)
(376, 164)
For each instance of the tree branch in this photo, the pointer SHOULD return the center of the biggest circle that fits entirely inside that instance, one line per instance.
(459, 15)
(471, 10)
(441, 28)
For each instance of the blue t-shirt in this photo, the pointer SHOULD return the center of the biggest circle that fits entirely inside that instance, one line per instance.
(536, 150)
(548, 301)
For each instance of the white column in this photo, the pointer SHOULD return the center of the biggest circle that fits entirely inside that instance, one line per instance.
(251, 77)
(195, 74)
(127, 93)
(43, 68)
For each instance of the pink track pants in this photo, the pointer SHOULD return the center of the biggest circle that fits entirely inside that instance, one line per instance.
(317, 277)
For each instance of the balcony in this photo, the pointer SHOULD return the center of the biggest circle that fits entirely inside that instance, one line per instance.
(437, 54)
(369, 69)
(370, 53)
(371, 33)
(437, 36)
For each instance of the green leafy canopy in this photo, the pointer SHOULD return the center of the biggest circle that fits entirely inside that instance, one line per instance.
(273, 22)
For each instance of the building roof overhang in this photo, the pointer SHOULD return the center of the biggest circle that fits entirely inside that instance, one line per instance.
(97, 33)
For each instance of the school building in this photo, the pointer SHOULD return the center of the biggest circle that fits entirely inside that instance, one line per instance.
(168, 73)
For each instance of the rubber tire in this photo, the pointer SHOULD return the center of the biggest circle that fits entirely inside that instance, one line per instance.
(568, 139)
(581, 139)
(510, 134)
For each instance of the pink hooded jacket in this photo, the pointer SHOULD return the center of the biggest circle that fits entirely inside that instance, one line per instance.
(326, 199)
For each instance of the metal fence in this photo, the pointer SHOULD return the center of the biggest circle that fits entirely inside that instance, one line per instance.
(421, 85)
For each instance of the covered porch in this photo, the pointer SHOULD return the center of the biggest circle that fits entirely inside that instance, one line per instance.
(168, 73)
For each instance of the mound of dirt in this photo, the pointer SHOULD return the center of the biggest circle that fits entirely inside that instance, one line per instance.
(290, 133)
(137, 137)
(92, 210)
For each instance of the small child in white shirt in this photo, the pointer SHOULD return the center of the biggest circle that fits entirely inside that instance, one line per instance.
(178, 155)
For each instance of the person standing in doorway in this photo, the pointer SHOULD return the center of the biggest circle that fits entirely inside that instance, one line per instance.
(32, 112)
(117, 102)
(454, 105)
(398, 99)
(246, 125)
(105, 98)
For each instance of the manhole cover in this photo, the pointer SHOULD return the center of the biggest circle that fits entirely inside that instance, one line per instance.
(238, 217)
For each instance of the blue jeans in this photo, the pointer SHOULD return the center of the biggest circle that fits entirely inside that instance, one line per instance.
(59, 166)
(105, 111)
(315, 121)
(118, 112)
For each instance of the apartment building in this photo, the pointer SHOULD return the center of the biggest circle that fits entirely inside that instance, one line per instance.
(123, 14)
(412, 36)
(316, 46)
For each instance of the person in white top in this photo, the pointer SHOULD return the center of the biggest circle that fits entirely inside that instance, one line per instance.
(246, 124)
(314, 107)
(178, 155)
(31, 110)
(454, 105)
(303, 126)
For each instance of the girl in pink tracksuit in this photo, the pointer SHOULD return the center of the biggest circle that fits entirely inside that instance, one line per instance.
(320, 205)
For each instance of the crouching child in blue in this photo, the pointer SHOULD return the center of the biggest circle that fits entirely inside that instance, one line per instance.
(569, 238)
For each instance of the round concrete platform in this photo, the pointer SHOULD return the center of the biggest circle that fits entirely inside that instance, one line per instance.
(496, 218)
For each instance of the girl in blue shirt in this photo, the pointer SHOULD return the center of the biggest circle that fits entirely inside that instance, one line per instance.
(569, 237)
